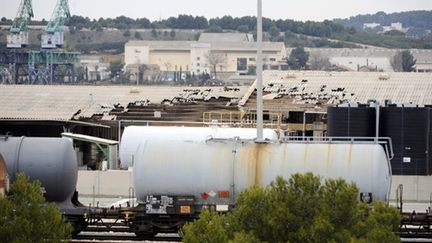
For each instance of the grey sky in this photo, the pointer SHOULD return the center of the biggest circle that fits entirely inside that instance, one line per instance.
(155, 9)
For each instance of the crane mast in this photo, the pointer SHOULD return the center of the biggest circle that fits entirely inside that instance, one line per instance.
(18, 37)
(54, 37)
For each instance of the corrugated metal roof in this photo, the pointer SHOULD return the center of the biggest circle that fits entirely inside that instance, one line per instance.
(38, 102)
(327, 88)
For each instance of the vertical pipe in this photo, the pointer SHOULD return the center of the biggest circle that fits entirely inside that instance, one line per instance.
(377, 118)
(304, 125)
(259, 74)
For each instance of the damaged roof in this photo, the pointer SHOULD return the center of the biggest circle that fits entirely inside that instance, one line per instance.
(62, 103)
(331, 88)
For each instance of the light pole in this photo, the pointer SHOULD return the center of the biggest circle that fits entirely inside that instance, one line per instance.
(259, 63)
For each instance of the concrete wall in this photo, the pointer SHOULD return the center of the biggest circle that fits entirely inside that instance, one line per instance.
(111, 183)
(415, 188)
(116, 183)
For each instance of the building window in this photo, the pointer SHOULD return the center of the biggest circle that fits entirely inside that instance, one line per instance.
(252, 59)
(187, 67)
(198, 58)
(272, 59)
(198, 71)
(198, 64)
(241, 64)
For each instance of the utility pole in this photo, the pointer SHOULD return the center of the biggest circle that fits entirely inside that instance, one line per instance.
(259, 63)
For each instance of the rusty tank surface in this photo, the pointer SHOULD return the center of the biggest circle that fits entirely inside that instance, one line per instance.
(206, 168)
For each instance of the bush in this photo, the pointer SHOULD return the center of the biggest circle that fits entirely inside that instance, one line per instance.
(301, 209)
(25, 216)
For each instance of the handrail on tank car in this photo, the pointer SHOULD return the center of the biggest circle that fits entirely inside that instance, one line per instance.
(386, 141)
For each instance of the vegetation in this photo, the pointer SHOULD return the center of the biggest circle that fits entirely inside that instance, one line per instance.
(418, 22)
(403, 61)
(301, 209)
(25, 216)
(298, 58)
(330, 34)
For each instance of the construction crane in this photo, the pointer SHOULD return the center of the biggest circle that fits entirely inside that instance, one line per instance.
(54, 37)
(18, 37)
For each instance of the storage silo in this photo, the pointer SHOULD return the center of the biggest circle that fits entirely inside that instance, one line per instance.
(351, 121)
(409, 128)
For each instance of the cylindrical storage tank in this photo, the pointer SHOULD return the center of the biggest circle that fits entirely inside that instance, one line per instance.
(408, 127)
(197, 168)
(133, 136)
(351, 121)
(52, 161)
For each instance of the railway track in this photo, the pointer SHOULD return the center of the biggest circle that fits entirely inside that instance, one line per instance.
(96, 237)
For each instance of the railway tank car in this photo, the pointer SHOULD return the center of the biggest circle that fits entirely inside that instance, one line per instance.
(175, 178)
(53, 162)
(134, 135)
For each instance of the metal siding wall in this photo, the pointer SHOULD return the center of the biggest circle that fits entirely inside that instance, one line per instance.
(351, 122)
(409, 127)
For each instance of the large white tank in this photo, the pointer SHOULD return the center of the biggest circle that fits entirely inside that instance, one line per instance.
(133, 136)
(205, 168)
(52, 161)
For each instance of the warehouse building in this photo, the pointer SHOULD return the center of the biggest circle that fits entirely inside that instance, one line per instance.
(295, 102)
(231, 53)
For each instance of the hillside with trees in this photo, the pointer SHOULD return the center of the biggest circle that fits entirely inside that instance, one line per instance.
(110, 34)
(418, 23)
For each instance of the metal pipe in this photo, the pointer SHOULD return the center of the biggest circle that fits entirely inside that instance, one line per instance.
(377, 116)
(259, 68)
(234, 155)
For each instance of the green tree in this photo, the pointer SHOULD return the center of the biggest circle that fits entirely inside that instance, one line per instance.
(115, 68)
(243, 28)
(127, 33)
(408, 61)
(25, 216)
(172, 34)
(138, 35)
(154, 33)
(298, 58)
(274, 32)
(302, 209)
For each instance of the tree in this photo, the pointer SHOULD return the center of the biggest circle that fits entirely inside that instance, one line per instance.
(25, 216)
(138, 35)
(302, 209)
(243, 28)
(274, 32)
(318, 62)
(215, 59)
(298, 58)
(408, 61)
(115, 68)
(172, 34)
(396, 62)
(154, 33)
(127, 33)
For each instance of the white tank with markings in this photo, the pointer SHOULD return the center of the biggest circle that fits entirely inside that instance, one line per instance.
(134, 135)
(206, 168)
(52, 161)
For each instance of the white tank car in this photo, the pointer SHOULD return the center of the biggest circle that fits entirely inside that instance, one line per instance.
(52, 161)
(206, 168)
(134, 135)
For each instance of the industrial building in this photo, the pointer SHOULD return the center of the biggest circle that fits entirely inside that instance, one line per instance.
(221, 52)
(295, 102)
(368, 59)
